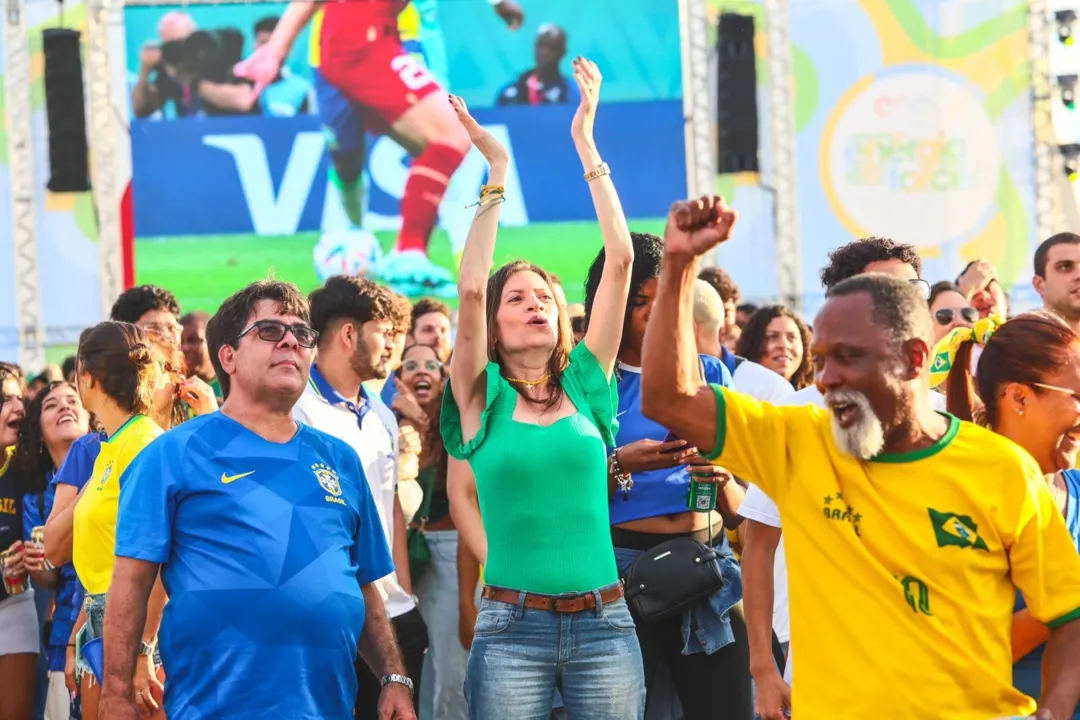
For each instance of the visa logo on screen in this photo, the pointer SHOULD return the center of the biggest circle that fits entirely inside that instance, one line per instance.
(279, 210)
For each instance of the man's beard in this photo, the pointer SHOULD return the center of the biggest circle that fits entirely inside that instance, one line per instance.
(864, 439)
(362, 366)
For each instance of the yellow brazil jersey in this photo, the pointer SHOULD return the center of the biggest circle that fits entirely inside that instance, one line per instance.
(95, 514)
(902, 569)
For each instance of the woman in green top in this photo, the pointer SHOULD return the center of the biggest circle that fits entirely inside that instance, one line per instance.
(534, 420)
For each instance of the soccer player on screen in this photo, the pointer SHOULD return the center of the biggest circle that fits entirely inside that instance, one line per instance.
(365, 80)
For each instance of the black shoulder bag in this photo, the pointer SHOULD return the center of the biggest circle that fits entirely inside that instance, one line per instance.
(672, 576)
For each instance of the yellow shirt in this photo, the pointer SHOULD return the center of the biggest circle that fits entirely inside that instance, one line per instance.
(902, 569)
(95, 515)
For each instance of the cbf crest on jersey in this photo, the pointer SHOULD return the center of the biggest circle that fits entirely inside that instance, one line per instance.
(328, 480)
(105, 476)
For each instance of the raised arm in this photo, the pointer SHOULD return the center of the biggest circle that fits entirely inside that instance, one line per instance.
(603, 338)
(471, 344)
(673, 393)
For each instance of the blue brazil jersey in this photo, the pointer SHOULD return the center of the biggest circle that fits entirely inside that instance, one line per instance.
(655, 492)
(264, 547)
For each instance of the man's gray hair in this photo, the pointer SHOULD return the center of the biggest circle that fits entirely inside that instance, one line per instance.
(898, 306)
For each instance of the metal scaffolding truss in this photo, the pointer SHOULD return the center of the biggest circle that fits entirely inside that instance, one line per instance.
(700, 144)
(1046, 163)
(782, 168)
(107, 141)
(30, 328)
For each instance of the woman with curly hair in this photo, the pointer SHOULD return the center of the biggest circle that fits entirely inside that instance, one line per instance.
(54, 420)
(776, 338)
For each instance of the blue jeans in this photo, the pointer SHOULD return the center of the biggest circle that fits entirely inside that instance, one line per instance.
(520, 656)
(441, 696)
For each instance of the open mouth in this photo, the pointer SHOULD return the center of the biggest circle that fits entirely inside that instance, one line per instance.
(538, 321)
(65, 418)
(422, 386)
(1070, 441)
(845, 413)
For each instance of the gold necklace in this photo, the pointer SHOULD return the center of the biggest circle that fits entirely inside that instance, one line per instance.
(530, 383)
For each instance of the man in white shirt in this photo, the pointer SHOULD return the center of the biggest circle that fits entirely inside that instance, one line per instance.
(765, 595)
(357, 321)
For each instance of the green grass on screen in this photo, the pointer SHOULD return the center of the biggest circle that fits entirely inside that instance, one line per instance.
(204, 270)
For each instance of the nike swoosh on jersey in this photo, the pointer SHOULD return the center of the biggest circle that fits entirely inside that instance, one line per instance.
(233, 478)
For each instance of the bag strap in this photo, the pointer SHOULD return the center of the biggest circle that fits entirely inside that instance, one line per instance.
(701, 369)
(429, 490)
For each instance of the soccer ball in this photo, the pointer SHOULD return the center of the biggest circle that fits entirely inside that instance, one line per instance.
(346, 252)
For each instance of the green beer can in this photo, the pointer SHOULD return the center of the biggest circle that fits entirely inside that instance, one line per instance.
(702, 496)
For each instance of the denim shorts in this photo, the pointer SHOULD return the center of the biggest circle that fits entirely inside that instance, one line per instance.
(95, 628)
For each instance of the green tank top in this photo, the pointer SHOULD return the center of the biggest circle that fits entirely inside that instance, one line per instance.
(543, 489)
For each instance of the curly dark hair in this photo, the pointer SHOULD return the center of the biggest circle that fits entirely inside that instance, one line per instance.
(850, 260)
(32, 461)
(356, 298)
(648, 259)
(722, 283)
(751, 343)
(135, 302)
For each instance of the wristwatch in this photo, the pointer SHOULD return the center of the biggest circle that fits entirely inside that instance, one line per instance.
(146, 649)
(398, 679)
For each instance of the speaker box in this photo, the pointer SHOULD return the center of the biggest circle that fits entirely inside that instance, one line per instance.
(737, 111)
(65, 108)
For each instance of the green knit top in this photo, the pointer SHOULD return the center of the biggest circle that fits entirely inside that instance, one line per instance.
(543, 490)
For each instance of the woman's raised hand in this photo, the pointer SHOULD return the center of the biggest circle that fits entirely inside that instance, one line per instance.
(485, 142)
(588, 79)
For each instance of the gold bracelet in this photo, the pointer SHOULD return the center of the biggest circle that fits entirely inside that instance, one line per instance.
(599, 172)
(486, 189)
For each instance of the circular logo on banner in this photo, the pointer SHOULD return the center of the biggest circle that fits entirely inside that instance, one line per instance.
(911, 154)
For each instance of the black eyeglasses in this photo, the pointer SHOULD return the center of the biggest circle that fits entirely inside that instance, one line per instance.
(432, 366)
(273, 331)
(923, 286)
(944, 316)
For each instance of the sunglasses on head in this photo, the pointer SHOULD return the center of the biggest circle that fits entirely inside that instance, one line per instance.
(944, 316)
(273, 331)
(432, 366)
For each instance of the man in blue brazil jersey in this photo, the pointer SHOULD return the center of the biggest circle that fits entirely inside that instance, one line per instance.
(268, 542)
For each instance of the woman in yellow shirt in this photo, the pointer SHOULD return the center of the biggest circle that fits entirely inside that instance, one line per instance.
(117, 376)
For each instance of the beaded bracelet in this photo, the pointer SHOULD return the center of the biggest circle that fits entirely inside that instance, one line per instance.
(599, 172)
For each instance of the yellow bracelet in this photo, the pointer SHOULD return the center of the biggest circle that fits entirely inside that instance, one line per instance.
(599, 172)
(485, 190)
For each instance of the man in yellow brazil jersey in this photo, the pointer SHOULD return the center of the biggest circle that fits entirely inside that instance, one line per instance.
(907, 531)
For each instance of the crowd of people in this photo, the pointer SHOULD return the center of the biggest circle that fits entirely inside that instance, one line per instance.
(342, 506)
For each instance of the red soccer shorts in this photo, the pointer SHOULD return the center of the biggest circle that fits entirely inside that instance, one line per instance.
(378, 76)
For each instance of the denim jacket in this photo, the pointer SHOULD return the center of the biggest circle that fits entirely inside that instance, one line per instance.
(706, 626)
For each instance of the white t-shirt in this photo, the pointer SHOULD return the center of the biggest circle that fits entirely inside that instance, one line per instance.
(759, 507)
(376, 444)
(760, 382)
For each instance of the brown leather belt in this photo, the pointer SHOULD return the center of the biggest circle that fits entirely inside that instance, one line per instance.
(559, 604)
